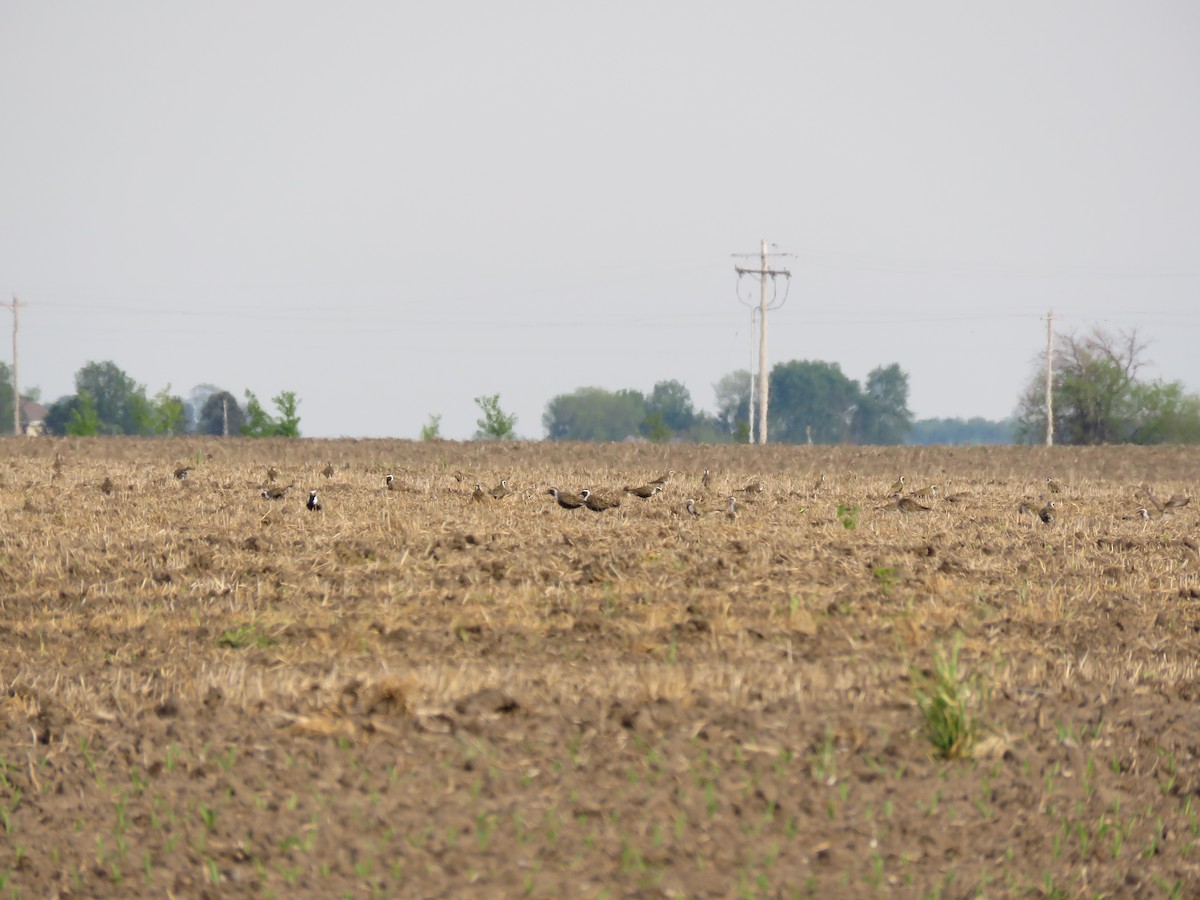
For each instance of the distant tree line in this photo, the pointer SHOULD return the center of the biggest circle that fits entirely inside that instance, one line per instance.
(810, 402)
(595, 414)
(1099, 396)
(962, 432)
(108, 401)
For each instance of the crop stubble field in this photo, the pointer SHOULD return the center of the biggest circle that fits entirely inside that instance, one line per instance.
(207, 693)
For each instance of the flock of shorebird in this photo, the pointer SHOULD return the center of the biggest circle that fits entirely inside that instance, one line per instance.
(599, 502)
(587, 498)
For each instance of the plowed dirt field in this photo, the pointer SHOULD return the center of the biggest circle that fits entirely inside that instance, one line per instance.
(412, 692)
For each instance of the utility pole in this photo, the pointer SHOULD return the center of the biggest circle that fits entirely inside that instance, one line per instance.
(750, 414)
(1050, 378)
(16, 391)
(763, 273)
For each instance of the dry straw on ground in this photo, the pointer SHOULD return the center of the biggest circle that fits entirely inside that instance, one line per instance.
(412, 691)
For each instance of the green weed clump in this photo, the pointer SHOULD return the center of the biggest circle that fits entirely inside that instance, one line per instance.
(244, 636)
(949, 701)
(848, 515)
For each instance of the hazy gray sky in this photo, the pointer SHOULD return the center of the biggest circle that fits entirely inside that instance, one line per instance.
(392, 208)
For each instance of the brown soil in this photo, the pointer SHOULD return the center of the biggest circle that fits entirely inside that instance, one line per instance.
(207, 693)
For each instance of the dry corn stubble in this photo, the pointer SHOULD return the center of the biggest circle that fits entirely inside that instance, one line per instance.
(414, 691)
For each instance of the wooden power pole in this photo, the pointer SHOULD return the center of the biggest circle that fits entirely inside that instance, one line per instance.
(750, 410)
(764, 304)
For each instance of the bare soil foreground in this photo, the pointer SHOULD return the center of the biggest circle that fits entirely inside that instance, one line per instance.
(415, 693)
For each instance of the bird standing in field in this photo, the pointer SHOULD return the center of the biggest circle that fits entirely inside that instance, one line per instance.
(564, 499)
(500, 491)
(664, 478)
(596, 503)
(327, 471)
(897, 486)
(277, 493)
(731, 512)
(929, 491)
(1023, 510)
(645, 491)
(182, 472)
(479, 494)
(753, 488)
(1046, 513)
(272, 473)
(1053, 486)
(313, 503)
(706, 480)
(909, 505)
(690, 506)
(106, 485)
(1154, 501)
(390, 480)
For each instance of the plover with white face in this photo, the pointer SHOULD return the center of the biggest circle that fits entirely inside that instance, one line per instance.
(564, 499)
(597, 504)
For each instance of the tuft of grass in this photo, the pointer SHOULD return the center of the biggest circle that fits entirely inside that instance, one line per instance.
(949, 702)
(886, 577)
(244, 636)
(848, 515)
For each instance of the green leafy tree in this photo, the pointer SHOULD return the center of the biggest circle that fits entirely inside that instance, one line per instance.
(733, 404)
(287, 423)
(655, 428)
(1165, 413)
(257, 422)
(432, 430)
(883, 416)
(164, 414)
(58, 415)
(705, 430)
(219, 406)
(6, 398)
(594, 414)
(495, 425)
(85, 420)
(812, 395)
(1099, 399)
(194, 405)
(672, 403)
(120, 402)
